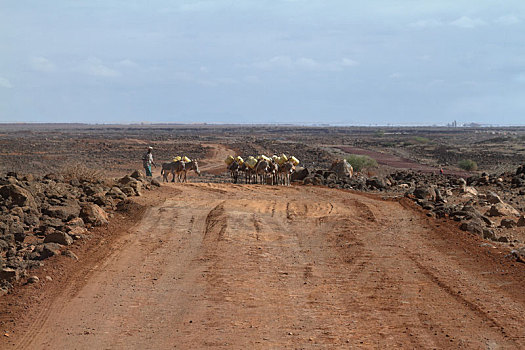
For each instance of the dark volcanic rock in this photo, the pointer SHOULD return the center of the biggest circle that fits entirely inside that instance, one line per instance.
(18, 196)
(300, 174)
(93, 214)
(58, 237)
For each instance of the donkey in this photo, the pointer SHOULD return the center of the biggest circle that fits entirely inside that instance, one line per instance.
(192, 165)
(233, 168)
(285, 172)
(177, 167)
(261, 170)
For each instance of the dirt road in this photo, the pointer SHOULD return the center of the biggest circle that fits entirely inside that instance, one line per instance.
(247, 266)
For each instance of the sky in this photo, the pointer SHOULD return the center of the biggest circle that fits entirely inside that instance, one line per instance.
(339, 62)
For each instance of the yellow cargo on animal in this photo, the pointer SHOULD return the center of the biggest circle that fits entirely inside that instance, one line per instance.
(251, 162)
(186, 159)
(294, 160)
(177, 158)
(229, 160)
(239, 160)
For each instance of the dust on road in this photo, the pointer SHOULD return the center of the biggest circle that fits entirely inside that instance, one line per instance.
(248, 266)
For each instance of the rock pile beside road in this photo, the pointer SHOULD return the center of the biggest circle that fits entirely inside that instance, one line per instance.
(488, 205)
(39, 217)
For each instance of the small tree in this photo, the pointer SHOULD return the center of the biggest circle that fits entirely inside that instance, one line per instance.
(359, 163)
(468, 165)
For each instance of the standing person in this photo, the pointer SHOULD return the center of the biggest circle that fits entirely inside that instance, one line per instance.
(147, 161)
(441, 171)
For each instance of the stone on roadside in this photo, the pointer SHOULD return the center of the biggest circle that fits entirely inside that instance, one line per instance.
(507, 223)
(33, 279)
(9, 274)
(521, 221)
(502, 209)
(58, 237)
(93, 214)
(493, 198)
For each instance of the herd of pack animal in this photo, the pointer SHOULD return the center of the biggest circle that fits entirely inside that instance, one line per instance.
(275, 170)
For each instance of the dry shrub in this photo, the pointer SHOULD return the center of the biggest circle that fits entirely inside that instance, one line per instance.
(79, 171)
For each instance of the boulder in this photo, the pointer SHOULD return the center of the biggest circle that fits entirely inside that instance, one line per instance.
(155, 182)
(127, 180)
(128, 191)
(9, 274)
(66, 212)
(137, 175)
(102, 200)
(502, 209)
(519, 254)
(469, 190)
(424, 192)
(342, 168)
(76, 222)
(300, 174)
(58, 237)
(17, 230)
(507, 223)
(472, 227)
(18, 196)
(493, 198)
(46, 250)
(77, 232)
(376, 183)
(521, 221)
(93, 214)
(116, 192)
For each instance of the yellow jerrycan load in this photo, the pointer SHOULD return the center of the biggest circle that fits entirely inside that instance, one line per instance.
(265, 158)
(251, 162)
(294, 160)
(280, 160)
(239, 160)
(229, 160)
(177, 158)
(186, 159)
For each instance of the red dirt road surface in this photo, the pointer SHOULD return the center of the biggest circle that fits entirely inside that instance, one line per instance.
(255, 267)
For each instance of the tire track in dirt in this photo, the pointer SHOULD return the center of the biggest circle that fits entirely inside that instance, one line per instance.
(295, 268)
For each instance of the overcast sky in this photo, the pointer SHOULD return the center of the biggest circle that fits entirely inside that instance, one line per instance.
(263, 61)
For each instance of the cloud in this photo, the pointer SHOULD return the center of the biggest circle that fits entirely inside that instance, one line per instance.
(5, 83)
(507, 20)
(467, 22)
(304, 63)
(94, 66)
(42, 64)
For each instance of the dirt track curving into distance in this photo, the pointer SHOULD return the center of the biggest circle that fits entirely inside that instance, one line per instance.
(249, 266)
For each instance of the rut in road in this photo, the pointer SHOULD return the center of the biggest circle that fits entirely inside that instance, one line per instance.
(247, 266)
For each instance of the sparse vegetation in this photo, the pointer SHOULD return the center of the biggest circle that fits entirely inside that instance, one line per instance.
(359, 163)
(468, 165)
(420, 139)
(79, 171)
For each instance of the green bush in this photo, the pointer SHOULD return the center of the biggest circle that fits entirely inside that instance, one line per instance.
(468, 165)
(420, 139)
(361, 162)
